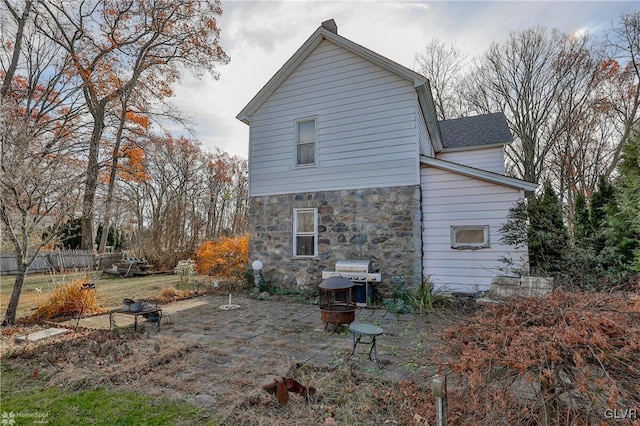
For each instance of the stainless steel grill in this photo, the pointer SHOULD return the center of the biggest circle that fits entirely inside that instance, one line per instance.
(361, 273)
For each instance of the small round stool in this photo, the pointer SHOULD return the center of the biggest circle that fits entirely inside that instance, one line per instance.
(359, 329)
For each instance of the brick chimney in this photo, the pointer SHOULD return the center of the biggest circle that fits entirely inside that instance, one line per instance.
(330, 25)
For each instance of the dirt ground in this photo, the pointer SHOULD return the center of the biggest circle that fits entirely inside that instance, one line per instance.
(218, 359)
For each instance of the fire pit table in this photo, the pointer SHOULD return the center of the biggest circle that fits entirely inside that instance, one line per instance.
(336, 305)
(151, 314)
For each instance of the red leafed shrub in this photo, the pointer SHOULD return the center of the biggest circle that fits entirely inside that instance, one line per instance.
(568, 358)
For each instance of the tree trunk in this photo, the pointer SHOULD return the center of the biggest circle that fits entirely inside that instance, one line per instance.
(12, 308)
(17, 48)
(112, 178)
(91, 184)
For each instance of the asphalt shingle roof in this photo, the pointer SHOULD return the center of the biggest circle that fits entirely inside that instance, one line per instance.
(476, 131)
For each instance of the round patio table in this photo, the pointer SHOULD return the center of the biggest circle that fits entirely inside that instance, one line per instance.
(359, 329)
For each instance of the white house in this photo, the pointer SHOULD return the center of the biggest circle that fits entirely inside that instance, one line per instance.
(348, 161)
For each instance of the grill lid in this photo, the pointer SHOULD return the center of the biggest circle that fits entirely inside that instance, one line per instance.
(354, 266)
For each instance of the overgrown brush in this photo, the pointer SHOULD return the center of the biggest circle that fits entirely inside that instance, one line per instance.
(69, 300)
(171, 294)
(226, 258)
(344, 397)
(568, 358)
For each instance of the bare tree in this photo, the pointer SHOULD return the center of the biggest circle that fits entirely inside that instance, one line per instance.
(218, 177)
(240, 222)
(131, 124)
(541, 80)
(188, 195)
(165, 200)
(621, 91)
(444, 67)
(20, 20)
(39, 119)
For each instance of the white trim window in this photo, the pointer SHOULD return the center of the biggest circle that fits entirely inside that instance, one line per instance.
(470, 237)
(305, 233)
(306, 142)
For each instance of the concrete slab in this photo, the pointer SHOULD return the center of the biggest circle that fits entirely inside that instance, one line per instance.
(42, 334)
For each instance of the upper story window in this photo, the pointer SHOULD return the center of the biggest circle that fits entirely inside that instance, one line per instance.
(470, 237)
(306, 142)
(305, 232)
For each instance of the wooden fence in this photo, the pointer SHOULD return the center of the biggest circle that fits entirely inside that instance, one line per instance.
(59, 260)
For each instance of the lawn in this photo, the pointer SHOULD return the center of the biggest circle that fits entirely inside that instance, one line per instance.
(110, 290)
(31, 400)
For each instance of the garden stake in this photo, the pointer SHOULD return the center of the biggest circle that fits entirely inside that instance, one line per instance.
(87, 287)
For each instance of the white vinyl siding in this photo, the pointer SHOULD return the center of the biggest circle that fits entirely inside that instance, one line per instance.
(450, 199)
(489, 159)
(366, 127)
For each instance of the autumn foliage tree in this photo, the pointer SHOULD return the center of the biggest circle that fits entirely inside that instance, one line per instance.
(186, 196)
(132, 124)
(115, 46)
(227, 258)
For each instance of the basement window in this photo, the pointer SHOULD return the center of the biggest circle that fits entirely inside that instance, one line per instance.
(470, 237)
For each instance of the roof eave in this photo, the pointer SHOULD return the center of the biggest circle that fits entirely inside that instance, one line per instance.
(425, 98)
(479, 174)
(475, 147)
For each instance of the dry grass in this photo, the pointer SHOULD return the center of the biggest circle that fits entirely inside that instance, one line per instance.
(344, 396)
(88, 359)
(68, 300)
(171, 294)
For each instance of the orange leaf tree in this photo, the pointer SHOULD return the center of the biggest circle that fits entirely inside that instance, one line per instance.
(118, 47)
(227, 258)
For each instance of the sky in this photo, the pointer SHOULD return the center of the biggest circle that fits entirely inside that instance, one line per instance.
(260, 36)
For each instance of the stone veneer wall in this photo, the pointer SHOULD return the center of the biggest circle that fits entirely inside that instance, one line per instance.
(382, 224)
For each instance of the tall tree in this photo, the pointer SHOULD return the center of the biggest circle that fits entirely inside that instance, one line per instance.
(20, 20)
(39, 120)
(114, 43)
(135, 124)
(548, 237)
(167, 199)
(621, 96)
(531, 77)
(625, 222)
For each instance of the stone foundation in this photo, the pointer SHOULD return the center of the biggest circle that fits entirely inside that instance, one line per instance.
(382, 224)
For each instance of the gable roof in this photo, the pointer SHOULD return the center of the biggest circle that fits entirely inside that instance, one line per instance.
(478, 173)
(480, 131)
(420, 82)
